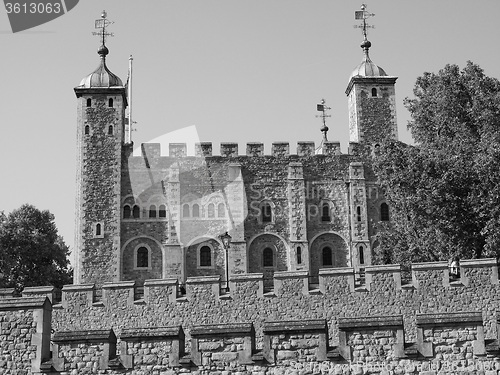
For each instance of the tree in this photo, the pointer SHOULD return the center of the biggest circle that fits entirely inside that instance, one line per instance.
(31, 251)
(444, 192)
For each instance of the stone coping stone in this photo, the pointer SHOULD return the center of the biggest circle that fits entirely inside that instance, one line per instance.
(336, 271)
(119, 285)
(383, 268)
(472, 263)
(247, 277)
(24, 303)
(94, 336)
(222, 329)
(375, 322)
(39, 289)
(160, 282)
(290, 274)
(306, 325)
(7, 292)
(78, 287)
(455, 319)
(151, 333)
(203, 280)
(429, 266)
(281, 143)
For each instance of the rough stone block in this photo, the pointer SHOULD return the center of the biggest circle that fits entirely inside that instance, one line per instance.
(203, 149)
(280, 149)
(305, 148)
(229, 149)
(255, 149)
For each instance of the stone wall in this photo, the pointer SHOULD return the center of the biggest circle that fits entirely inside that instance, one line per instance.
(432, 323)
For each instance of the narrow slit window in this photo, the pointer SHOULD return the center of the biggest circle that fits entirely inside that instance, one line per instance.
(142, 257)
(89, 102)
(126, 212)
(110, 130)
(205, 256)
(384, 212)
(211, 210)
(110, 102)
(185, 210)
(98, 229)
(221, 211)
(327, 256)
(152, 211)
(361, 255)
(267, 213)
(374, 91)
(358, 213)
(162, 212)
(196, 210)
(136, 212)
(325, 212)
(267, 256)
(87, 130)
(299, 255)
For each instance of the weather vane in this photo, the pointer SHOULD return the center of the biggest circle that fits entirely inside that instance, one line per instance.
(323, 108)
(363, 14)
(102, 24)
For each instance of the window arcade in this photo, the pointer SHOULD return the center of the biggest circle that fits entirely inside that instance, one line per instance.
(205, 256)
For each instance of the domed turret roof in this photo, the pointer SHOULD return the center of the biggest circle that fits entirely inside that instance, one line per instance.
(367, 68)
(102, 76)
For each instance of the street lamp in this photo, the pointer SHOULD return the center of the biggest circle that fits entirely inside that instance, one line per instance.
(226, 242)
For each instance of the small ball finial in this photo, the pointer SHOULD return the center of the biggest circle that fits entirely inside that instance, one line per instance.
(103, 51)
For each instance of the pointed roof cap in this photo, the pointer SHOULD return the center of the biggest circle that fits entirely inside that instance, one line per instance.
(367, 68)
(102, 76)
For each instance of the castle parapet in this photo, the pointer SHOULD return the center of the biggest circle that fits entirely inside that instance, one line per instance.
(116, 295)
(177, 150)
(217, 344)
(229, 149)
(430, 274)
(139, 347)
(305, 148)
(246, 285)
(255, 149)
(331, 148)
(280, 149)
(40, 291)
(386, 277)
(300, 341)
(78, 297)
(203, 149)
(161, 291)
(479, 271)
(336, 280)
(291, 282)
(201, 287)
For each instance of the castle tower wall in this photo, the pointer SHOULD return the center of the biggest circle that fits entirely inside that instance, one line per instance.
(100, 132)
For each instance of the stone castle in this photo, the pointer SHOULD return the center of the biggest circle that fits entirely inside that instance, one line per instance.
(245, 264)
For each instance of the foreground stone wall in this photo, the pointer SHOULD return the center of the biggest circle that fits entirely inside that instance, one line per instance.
(431, 324)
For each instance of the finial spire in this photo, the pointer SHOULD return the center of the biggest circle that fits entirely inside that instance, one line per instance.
(102, 24)
(363, 14)
(323, 108)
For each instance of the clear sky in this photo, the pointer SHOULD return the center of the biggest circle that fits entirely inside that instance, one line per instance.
(240, 71)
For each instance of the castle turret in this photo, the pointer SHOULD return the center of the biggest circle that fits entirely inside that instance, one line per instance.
(101, 119)
(372, 99)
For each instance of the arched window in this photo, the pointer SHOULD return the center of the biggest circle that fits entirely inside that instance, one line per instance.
(110, 102)
(358, 213)
(142, 257)
(361, 255)
(327, 256)
(221, 211)
(136, 212)
(211, 210)
(384, 212)
(374, 91)
(89, 102)
(325, 212)
(205, 256)
(196, 210)
(185, 210)
(162, 211)
(87, 130)
(267, 213)
(267, 257)
(110, 130)
(299, 255)
(98, 229)
(126, 212)
(152, 211)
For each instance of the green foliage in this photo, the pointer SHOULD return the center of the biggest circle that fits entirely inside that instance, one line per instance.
(31, 251)
(444, 192)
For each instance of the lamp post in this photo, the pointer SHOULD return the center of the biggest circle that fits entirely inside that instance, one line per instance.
(226, 241)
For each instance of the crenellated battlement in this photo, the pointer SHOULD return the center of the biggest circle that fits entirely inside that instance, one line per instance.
(231, 149)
